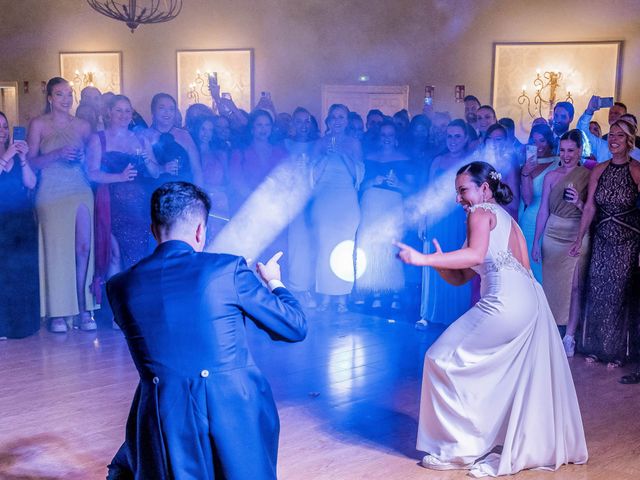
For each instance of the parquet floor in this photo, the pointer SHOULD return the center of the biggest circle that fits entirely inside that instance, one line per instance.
(348, 400)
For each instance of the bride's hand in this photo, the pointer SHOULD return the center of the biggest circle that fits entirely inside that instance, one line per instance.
(436, 245)
(410, 255)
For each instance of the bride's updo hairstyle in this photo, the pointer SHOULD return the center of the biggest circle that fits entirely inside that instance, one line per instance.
(482, 172)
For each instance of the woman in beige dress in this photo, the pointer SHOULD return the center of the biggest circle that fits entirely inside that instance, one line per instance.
(64, 206)
(564, 192)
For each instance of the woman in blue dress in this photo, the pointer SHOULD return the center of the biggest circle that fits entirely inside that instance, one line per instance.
(389, 177)
(441, 302)
(19, 316)
(531, 181)
(337, 172)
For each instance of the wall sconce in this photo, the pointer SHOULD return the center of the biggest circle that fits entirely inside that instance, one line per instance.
(25, 86)
(546, 86)
(80, 81)
(84, 80)
(192, 93)
(199, 87)
(459, 93)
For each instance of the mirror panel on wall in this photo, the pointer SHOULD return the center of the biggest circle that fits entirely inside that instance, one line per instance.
(102, 70)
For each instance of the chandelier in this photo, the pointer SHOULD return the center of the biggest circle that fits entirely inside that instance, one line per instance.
(546, 86)
(152, 11)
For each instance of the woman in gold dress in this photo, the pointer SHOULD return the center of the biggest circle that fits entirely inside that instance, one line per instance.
(64, 206)
(564, 193)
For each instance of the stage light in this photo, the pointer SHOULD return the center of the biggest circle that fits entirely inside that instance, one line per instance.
(341, 261)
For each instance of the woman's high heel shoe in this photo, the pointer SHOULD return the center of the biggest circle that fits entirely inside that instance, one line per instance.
(58, 325)
(87, 322)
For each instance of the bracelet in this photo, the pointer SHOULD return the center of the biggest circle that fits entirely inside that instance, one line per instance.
(523, 175)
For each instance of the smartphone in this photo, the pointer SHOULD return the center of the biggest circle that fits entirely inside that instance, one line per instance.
(429, 90)
(531, 151)
(226, 95)
(19, 134)
(428, 100)
(213, 82)
(606, 102)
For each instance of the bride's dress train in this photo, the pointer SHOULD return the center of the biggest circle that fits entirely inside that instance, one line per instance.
(497, 393)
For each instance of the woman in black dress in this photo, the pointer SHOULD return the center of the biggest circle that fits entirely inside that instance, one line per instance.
(124, 165)
(173, 147)
(611, 318)
(19, 265)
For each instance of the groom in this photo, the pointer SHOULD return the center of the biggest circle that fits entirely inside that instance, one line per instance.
(202, 408)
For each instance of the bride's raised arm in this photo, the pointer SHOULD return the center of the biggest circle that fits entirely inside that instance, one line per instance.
(479, 224)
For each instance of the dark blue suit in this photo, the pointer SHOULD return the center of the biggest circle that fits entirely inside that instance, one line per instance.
(202, 409)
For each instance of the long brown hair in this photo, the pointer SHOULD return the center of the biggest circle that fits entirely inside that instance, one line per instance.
(6, 144)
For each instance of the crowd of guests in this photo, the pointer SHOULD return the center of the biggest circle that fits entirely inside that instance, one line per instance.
(74, 208)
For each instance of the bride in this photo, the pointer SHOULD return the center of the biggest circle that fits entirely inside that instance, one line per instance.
(497, 392)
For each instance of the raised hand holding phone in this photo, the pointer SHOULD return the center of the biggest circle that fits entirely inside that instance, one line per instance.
(594, 104)
(214, 88)
(266, 103)
(16, 151)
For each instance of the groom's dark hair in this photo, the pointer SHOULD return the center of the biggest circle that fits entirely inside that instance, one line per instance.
(179, 201)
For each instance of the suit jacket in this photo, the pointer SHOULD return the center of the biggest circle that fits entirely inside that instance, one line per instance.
(202, 409)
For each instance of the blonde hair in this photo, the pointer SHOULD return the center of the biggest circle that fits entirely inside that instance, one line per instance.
(629, 130)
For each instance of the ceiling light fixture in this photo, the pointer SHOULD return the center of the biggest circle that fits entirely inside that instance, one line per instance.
(151, 11)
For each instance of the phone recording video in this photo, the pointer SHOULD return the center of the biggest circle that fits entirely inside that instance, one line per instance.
(19, 134)
(605, 102)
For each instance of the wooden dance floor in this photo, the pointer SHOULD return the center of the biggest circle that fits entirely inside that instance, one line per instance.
(348, 399)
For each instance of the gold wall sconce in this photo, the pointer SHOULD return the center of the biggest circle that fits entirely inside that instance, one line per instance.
(546, 90)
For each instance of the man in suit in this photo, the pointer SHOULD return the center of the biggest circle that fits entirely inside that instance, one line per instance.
(202, 409)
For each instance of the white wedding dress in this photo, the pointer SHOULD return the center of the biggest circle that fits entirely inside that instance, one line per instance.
(497, 393)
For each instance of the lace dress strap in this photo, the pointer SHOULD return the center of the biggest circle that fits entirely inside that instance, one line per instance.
(489, 207)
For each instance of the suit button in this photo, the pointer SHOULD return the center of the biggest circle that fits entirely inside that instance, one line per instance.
(204, 373)
(155, 380)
